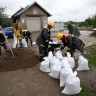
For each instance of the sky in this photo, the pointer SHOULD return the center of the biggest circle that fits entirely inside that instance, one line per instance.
(61, 10)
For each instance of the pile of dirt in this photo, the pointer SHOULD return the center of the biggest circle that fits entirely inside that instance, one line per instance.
(24, 58)
(93, 34)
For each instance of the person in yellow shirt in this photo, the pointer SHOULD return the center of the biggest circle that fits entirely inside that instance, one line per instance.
(17, 31)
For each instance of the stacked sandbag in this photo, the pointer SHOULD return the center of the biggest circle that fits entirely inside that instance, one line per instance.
(50, 55)
(72, 85)
(58, 54)
(54, 61)
(44, 65)
(71, 60)
(82, 64)
(55, 71)
(65, 72)
(64, 63)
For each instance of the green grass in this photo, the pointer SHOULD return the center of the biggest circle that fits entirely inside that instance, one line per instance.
(91, 55)
(86, 91)
(85, 28)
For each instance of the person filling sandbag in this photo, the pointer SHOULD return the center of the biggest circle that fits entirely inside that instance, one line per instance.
(27, 35)
(71, 41)
(72, 85)
(82, 64)
(43, 40)
(65, 72)
(17, 31)
(73, 29)
(2, 41)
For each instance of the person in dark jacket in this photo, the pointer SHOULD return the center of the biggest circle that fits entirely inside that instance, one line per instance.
(43, 40)
(71, 41)
(73, 30)
(27, 35)
(2, 40)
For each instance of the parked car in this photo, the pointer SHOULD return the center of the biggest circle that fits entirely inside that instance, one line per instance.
(8, 31)
(94, 29)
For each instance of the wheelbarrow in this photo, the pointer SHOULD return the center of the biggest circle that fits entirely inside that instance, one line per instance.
(53, 47)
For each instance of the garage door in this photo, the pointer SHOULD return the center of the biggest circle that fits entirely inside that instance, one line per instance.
(33, 24)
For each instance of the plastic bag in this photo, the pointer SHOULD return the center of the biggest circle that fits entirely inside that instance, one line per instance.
(50, 55)
(44, 65)
(55, 71)
(64, 63)
(24, 43)
(71, 60)
(54, 61)
(82, 64)
(72, 85)
(65, 72)
(58, 54)
(15, 42)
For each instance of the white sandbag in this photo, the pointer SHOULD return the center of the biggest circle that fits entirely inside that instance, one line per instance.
(82, 64)
(44, 65)
(72, 85)
(15, 42)
(65, 72)
(64, 63)
(54, 61)
(50, 55)
(55, 71)
(58, 54)
(71, 60)
(24, 43)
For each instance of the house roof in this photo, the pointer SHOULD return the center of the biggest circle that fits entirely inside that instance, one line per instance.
(19, 12)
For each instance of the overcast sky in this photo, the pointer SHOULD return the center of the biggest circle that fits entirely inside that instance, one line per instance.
(61, 10)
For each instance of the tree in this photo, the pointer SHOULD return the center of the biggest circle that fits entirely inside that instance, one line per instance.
(4, 20)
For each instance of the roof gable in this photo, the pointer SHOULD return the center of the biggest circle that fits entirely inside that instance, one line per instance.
(22, 10)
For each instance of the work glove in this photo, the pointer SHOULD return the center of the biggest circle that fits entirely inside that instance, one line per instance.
(62, 47)
(51, 40)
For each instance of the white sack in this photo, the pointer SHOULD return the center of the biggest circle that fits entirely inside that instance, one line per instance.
(65, 72)
(71, 60)
(72, 85)
(15, 42)
(44, 65)
(50, 55)
(24, 43)
(82, 64)
(55, 71)
(58, 54)
(54, 61)
(64, 63)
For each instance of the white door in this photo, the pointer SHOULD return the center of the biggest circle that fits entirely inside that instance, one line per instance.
(33, 24)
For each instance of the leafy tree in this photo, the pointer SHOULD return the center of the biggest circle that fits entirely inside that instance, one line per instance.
(4, 20)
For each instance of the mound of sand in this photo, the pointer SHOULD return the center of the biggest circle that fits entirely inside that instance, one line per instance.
(24, 58)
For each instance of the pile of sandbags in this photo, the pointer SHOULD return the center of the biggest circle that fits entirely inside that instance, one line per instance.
(72, 85)
(16, 43)
(60, 67)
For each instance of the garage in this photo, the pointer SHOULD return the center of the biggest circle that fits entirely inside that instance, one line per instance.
(33, 24)
(33, 17)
